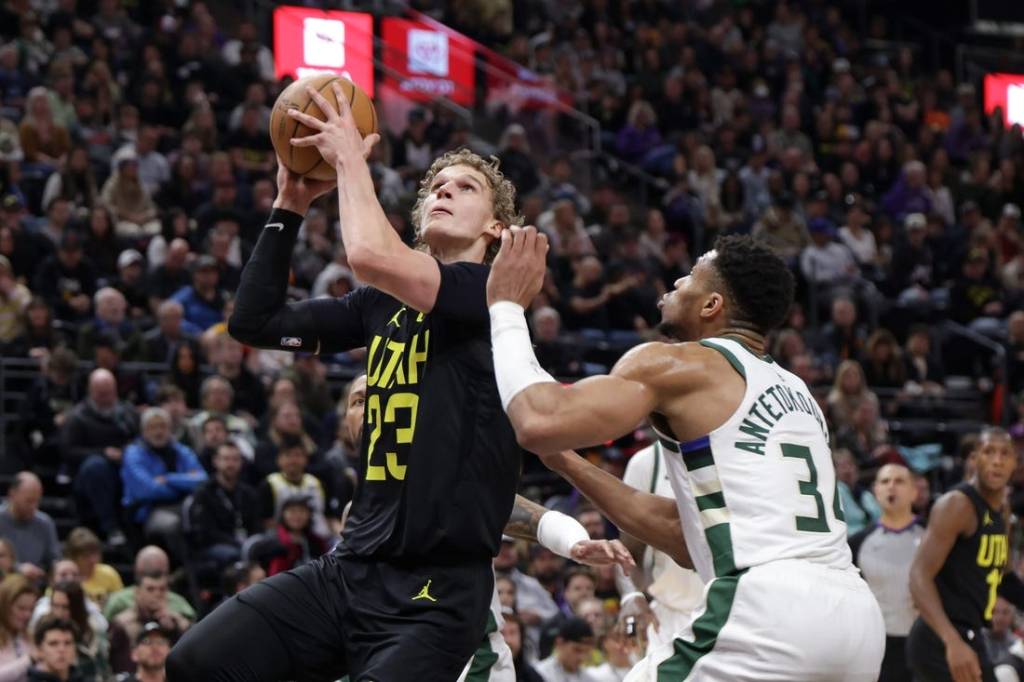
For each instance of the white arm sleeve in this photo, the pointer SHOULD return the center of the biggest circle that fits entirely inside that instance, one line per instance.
(515, 364)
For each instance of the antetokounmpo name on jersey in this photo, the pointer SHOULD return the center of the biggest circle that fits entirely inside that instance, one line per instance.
(772, 405)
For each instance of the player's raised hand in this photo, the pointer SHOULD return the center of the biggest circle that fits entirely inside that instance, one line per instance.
(517, 273)
(602, 553)
(963, 662)
(337, 139)
(296, 192)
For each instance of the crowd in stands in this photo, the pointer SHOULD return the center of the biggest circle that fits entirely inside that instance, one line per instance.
(136, 174)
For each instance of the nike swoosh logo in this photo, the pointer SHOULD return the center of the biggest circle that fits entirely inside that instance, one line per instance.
(279, 226)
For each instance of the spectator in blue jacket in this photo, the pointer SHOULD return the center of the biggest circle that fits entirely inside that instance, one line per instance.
(158, 473)
(203, 300)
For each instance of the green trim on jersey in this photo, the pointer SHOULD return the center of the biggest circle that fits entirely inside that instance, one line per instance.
(733, 360)
(485, 656)
(657, 466)
(721, 594)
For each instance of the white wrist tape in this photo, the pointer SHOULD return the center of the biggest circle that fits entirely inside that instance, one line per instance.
(631, 595)
(515, 365)
(624, 584)
(559, 533)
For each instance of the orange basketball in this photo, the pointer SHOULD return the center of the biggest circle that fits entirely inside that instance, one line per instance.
(307, 160)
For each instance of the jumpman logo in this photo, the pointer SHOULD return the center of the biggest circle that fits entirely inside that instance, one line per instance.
(987, 520)
(425, 592)
(394, 318)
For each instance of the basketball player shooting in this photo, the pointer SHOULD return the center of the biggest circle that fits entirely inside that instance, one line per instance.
(756, 510)
(407, 591)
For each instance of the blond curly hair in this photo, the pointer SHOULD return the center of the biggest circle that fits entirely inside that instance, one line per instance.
(503, 192)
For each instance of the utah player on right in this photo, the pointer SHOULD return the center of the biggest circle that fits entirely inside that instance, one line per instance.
(756, 508)
(961, 567)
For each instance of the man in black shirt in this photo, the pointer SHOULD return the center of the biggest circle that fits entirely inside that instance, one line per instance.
(961, 567)
(223, 511)
(407, 590)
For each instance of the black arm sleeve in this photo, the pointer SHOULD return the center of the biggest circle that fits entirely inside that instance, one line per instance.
(264, 318)
(462, 294)
(1011, 588)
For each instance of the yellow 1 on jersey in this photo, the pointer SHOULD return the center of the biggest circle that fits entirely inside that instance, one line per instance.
(994, 551)
(392, 363)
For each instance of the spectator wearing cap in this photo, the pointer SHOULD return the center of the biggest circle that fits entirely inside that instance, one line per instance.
(574, 645)
(111, 308)
(149, 654)
(131, 282)
(203, 300)
(912, 274)
(782, 229)
(47, 404)
(14, 300)
(130, 625)
(67, 280)
(295, 532)
(135, 214)
(158, 473)
(92, 439)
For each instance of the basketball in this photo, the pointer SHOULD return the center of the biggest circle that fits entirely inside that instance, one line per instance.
(307, 161)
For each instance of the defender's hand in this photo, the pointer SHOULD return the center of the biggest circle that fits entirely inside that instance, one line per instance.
(517, 274)
(337, 138)
(602, 553)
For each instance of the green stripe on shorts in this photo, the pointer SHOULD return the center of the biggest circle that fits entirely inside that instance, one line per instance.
(706, 627)
(485, 657)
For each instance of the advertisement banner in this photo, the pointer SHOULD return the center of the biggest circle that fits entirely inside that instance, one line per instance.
(1005, 90)
(426, 61)
(310, 41)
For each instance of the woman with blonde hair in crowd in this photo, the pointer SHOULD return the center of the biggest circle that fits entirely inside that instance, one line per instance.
(135, 214)
(17, 599)
(99, 580)
(849, 389)
(45, 142)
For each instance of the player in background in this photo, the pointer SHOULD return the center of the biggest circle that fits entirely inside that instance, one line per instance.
(756, 507)
(677, 591)
(961, 566)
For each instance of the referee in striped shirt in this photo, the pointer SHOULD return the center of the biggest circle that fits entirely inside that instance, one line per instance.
(884, 551)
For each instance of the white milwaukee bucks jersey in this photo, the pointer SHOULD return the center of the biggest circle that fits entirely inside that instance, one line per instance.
(761, 487)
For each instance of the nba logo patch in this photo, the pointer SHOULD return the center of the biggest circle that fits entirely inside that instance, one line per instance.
(291, 342)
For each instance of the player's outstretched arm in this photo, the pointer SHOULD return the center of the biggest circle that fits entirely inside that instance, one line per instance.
(375, 252)
(651, 519)
(952, 516)
(263, 317)
(563, 535)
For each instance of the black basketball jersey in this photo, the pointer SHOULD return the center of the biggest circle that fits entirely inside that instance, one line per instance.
(439, 462)
(969, 580)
